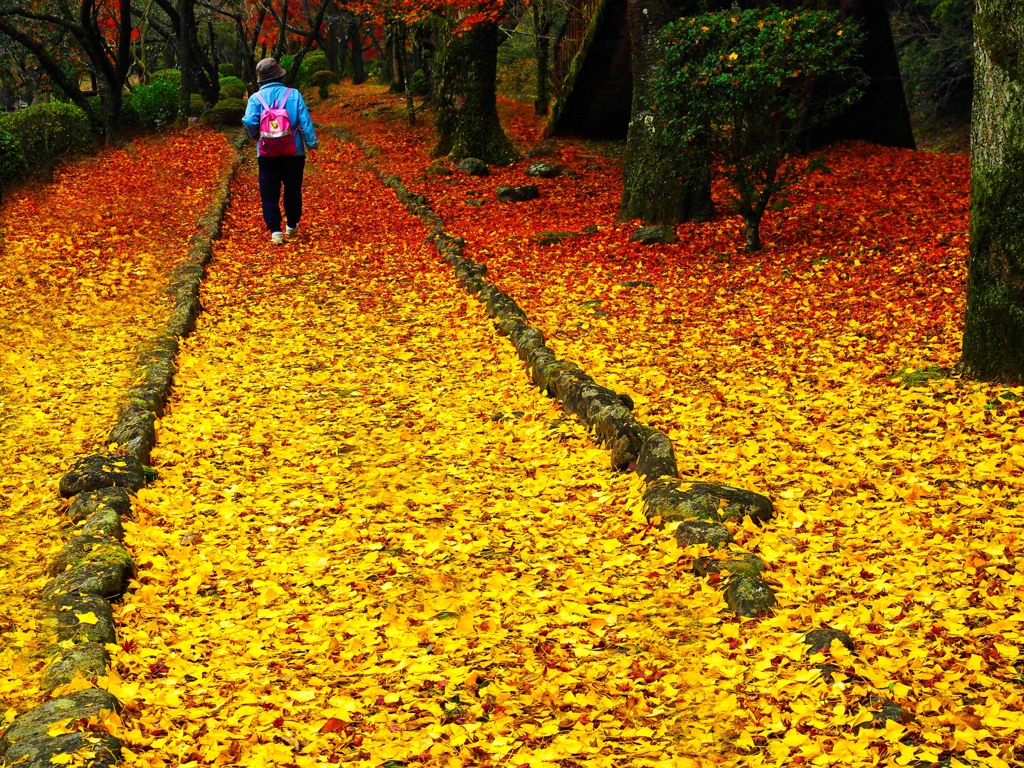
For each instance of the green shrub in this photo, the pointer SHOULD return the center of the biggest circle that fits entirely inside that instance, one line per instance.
(323, 80)
(156, 104)
(312, 62)
(745, 85)
(287, 62)
(419, 83)
(166, 76)
(12, 157)
(232, 88)
(226, 113)
(226, 70)
(47, 131)
(196, 105)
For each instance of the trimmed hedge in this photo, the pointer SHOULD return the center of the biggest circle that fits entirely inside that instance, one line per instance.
(232, 88)
(47, 131)
(12, 157)
(226, 113)
(156, 104)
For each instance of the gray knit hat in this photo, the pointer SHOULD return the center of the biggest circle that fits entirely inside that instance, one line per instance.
(269, 69)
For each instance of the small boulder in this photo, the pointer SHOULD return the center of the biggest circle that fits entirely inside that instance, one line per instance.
(27, 741)
(655, 234)
(82, 618)
(749, 597)
(548, 237)
(87, 659)
(818, 640)
(473, 166)
(542, 169)
(85, 504)
(507, 194)
(102, 470)
(692, 532)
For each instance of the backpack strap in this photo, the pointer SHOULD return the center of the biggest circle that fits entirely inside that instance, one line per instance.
(260, 99)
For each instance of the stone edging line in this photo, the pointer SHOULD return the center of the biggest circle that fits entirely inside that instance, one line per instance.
(700, 509)
(94, 566)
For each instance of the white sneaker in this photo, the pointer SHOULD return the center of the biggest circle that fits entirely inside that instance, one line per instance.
(290, 232)
(277, 238)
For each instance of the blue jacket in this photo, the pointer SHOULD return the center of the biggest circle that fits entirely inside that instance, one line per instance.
(298, 113)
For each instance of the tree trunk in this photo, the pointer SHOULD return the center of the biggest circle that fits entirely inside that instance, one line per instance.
(993, 345)
(658, 187)
(398, 57)
(881, 114)
(542, 23)
(355, 38)
(467, 109)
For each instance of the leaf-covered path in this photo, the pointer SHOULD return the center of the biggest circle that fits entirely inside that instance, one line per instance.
(83, 264)
(371, 540)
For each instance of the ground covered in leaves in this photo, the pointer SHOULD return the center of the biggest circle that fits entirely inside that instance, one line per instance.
(83, 263)
(372, 542)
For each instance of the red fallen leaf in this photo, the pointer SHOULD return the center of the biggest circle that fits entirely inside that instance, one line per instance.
(333, 725)
(278, 722)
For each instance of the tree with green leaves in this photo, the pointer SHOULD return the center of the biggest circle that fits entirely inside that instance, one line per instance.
(746, 85)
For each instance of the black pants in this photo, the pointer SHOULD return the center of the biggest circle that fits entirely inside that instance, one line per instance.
(275, 172)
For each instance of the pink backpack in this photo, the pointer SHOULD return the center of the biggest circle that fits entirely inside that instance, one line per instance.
(277, 139)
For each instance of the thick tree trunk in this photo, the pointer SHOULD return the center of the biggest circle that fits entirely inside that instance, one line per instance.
(355, 38)
(881, 114)
(398, 56)
(658, 186)
(467, 110)
(993, 345)
(542, 24)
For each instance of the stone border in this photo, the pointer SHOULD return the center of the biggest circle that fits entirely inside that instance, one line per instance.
(94, 566)
(699, 508)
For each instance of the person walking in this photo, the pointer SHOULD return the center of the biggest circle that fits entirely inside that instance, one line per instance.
(279, 165)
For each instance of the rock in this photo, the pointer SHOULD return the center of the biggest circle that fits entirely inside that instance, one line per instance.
(85, 504)
(636, 284)
(73, 551)
(473, 166)
(27, 743)
(657, 457)
(818, 640)
(102, 470)
(438, 168)
(90, 660)
(744, 564)
(749, 597)
(67, 610)
(704, 501)
(103, 523)
(656, 234)
(104, 571)
(692, 532)
(547, 237)
(543, 148)
(507, 194)
(884, 710)
(135, 432)
(543, 169)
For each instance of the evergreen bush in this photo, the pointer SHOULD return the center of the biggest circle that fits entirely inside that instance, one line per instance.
(226, 70)
(12, 157)
(232, 88)
(312, 62)
(745, 85)
(323, 80)
(47, 131)
(226, 113)
(156, 104)
(172, 76)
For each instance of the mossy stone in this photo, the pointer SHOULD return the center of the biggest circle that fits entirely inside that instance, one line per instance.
(85, 504)
(818, 640)
(90, 660)
(27, 743)
(692, 532)
(102, 470)
(749, 597)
